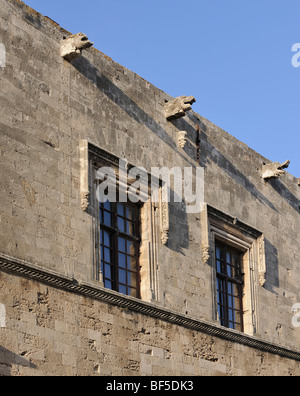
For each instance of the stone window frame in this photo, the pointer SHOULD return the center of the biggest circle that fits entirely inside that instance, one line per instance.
(218, 226)
(154, 221)
(230, 285)
(111, 268)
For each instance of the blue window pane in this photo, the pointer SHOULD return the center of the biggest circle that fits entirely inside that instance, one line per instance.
(107, 219)
(219, 266)
(228, 258)
(107, 256)
(118, 256)
(122, 289)
(230, 302)
(122, 245)
(121, 224)
(120, 209)
(107, 205)
(228, 261)
(221, 286)
(107, 271)
(107, 239)
(108, 284)
(122, 276)
(122, 260)
(229, 271)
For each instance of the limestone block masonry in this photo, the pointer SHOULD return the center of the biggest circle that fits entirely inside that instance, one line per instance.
(61, 117)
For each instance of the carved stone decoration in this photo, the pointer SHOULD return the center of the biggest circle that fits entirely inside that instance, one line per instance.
(205, 254)
(71, 48)
(182, 138)
(274, 170)
(178, 107)
(84, 174)
(164, 220)
(205, 245)
(262, 268)
(149, 253)
(164, 236)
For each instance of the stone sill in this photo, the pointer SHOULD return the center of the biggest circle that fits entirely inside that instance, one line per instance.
(95, 291)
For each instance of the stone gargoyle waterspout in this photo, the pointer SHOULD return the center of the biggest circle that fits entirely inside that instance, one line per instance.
(274, 170)
(71, 48)
(178, 107)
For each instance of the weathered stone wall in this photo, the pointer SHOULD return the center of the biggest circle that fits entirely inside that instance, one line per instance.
(46, 106)
(51, 332)
(234, 172)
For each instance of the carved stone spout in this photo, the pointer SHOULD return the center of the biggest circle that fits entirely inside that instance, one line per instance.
(178, 107)
(71, 47)
(274, 170)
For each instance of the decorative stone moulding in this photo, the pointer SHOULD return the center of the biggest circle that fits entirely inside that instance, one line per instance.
(274, 170)
(71, 48)
(205, 251)
(164, 220)
(178, 107)
(205, 242)
(84, 174)
(262, 266)
(182, 138)
(217, 224)
(94, 291)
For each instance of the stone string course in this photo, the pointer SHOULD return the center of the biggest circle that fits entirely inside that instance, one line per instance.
(43, 310)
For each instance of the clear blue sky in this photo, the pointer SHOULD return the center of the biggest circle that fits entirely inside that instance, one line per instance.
(234, 56)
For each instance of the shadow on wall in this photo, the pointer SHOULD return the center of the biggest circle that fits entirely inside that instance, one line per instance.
(285, 193)
(207, 151)
(272, 276)
(179, 228)
(8, 359)
(180, 239)
(210, 152)
(106, 86)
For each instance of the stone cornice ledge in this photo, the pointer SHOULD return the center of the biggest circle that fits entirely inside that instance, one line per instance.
(93, 290)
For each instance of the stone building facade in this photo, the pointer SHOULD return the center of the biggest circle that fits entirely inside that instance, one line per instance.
(205, 291)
